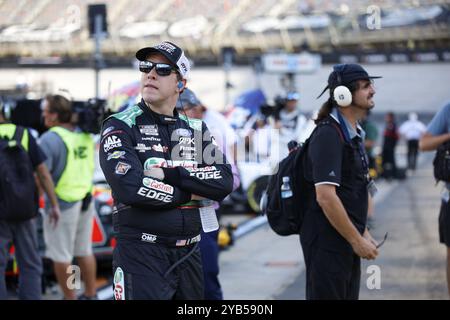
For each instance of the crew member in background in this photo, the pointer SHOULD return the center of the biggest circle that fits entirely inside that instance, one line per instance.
(390, 138)
(412, 130)
(23, 234)
(70, 159)
(334, 236)
(225, 137)
(290, 120)
(438, 133)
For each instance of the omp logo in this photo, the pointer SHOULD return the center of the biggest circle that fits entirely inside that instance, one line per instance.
(153, 194)
(148, 237)
(156, 185)
(183, 65)
(111, 143)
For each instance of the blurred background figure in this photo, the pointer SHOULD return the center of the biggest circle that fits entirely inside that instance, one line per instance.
(70, 159)
(21, 231)
(259, 139)
(224, 136)
(290, 120)
(370, 141)
(390, 138)
(412, 130)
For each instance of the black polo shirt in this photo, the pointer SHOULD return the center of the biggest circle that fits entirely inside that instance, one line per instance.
(332, 160)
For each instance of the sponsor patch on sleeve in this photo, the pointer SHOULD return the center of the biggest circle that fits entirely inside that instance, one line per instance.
(111, 142)
(206, 173)
(122, 168)
(116, 155)
(157, 185)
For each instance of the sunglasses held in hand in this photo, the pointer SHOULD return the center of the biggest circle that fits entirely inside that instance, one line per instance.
(382, 241)
(162, 69)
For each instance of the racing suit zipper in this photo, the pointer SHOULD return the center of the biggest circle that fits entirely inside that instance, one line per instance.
(169, 134)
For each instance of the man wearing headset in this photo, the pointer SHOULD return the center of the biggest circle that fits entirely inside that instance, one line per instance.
(334, 235)
(162, 167)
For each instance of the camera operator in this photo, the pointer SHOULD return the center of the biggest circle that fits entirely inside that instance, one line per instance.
(70, 160)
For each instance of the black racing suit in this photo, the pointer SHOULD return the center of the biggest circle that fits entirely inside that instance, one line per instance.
(156, 222)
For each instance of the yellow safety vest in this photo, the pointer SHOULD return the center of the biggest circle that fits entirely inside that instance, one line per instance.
(76, 179)
(7, 130)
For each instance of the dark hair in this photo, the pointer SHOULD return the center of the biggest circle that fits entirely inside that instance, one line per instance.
(327, 107)
(61, 106)
(325, 110)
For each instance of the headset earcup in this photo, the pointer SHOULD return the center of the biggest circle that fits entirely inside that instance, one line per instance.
(342, 96)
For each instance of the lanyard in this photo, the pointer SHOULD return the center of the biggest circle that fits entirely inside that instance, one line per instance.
(361, 151)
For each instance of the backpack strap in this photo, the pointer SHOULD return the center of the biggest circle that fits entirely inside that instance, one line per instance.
(339, 130)
(336, 126)
(18, 134)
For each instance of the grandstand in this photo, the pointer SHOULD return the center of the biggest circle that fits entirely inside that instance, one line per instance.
(37, 29)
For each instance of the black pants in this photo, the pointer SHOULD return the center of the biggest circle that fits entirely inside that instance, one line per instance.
(388, 163)
(209, 249)
(144, 271)
(331, 275)
(413, 149)
(444, 223)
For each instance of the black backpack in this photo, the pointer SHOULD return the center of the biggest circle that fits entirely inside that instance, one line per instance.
(285, 215)
(441, 162)
(18, 192)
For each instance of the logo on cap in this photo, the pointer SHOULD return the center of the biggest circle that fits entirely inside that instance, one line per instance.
(183, 65)
(166, 47)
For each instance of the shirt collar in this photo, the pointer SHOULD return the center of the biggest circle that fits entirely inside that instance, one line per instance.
(359, 132)
(160, 118)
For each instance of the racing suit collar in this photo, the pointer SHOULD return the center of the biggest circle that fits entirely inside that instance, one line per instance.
(157, 117)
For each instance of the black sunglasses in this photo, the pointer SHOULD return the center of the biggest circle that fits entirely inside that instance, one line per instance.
(162, 69)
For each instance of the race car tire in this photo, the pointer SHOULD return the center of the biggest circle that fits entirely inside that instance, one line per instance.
(255, 192)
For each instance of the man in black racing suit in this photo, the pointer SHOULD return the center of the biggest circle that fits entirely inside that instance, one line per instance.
(162, 167)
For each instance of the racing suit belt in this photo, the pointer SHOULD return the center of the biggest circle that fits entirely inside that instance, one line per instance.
(152, 238)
